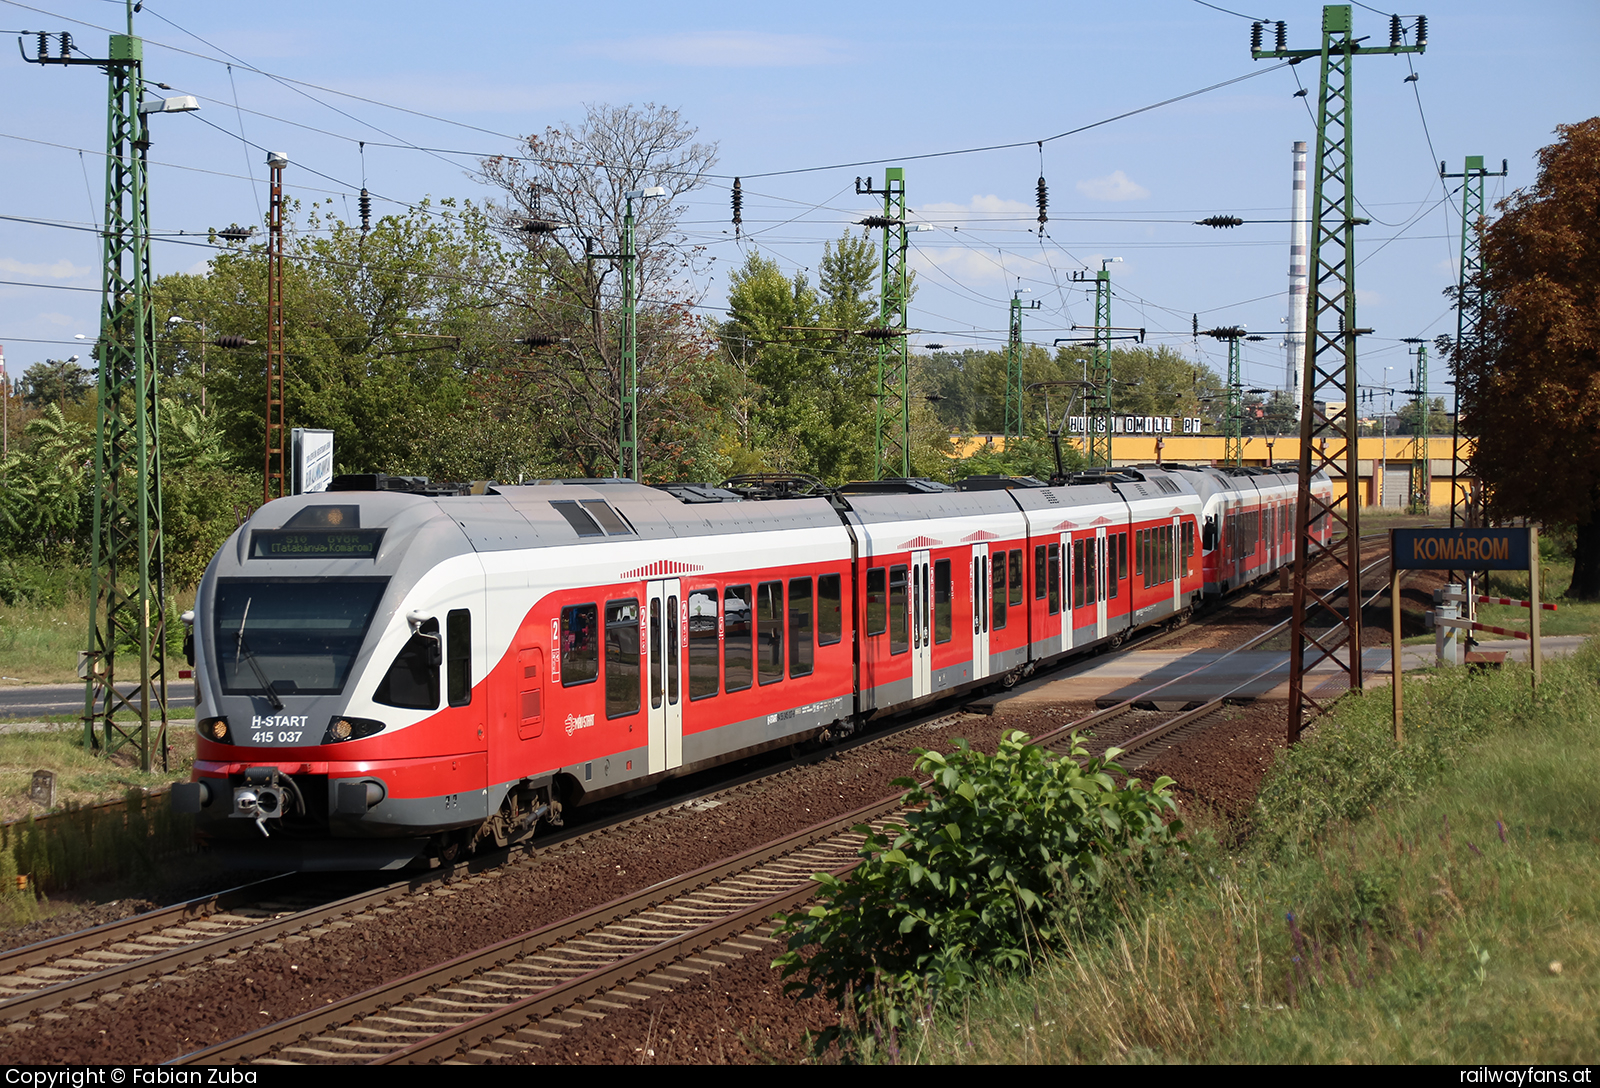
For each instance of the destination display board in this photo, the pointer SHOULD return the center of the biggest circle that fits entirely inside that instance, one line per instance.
(315, 543)
(1461, 549)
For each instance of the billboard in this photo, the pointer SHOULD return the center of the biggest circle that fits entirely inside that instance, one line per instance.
(313, 460)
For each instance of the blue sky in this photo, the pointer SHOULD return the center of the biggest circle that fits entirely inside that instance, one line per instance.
(790, 87)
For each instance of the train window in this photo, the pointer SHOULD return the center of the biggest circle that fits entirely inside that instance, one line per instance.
(1114, 572)
(998, 584)
(977, 593)
(1091, 571)
(738, 657)
(578, 518)
(412, 681)
(830, 610)
(1075, 554)
(899, 633)
(703, 676)
(1016, 577)
(608, 518)
(943, 607)
(801, 648)
(672, 649)
(654, 651)
(1055, 579)
(580, 645)
(1188, 545)
(769, 632)
(622, 658)
(458, 656)
(302, 635)
(877, 602)
(1039, 576)
(1208, 534)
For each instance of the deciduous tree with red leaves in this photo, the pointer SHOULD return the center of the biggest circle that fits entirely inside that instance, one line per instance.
(1530, 379)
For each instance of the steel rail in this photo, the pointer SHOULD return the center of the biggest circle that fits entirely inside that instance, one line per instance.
(268, 1042)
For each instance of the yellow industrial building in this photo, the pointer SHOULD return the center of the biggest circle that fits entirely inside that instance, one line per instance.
(1383, 464)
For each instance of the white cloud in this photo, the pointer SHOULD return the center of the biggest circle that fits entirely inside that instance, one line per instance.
(58, 319)
(1114, 186)
(727, 49)
(1368, 298)
(979, 205)
(62, 269)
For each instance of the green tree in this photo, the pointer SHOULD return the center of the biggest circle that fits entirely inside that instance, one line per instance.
(382, 333)
(55, 381)
(1529, 382)
(1160, 382)
(807, 385)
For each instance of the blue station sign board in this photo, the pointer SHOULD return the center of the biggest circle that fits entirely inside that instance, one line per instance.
(1461, 549)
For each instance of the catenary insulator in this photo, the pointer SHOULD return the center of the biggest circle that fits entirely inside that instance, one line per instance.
(1255, 37)
(44, 46)
(232, 342)
(365, 203)
(66, 45)
(1394, 32)
(538, 340)
(1422, 30)
(882, 334)
(877, 221)
(1044, 202)
(1283, 36)
(1220, 221)
(738, 206)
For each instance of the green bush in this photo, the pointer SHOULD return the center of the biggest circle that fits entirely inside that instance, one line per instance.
(998, 852)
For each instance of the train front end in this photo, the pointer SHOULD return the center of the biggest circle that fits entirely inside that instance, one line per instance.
(320, 634)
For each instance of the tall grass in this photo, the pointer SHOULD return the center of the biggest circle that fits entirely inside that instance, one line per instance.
(1438, 903)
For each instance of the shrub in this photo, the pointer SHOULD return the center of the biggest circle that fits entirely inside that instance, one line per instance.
(998, 851)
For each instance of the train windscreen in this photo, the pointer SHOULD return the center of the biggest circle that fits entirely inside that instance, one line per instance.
(301, 636)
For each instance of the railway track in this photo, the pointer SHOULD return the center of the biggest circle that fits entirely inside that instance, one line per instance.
(39, 979)
(617, 958)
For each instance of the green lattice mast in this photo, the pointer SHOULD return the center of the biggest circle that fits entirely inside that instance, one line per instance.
(1015, 424)
(1328, 395)
(892, 449)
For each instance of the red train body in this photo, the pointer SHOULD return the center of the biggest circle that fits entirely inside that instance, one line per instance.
(383, 676)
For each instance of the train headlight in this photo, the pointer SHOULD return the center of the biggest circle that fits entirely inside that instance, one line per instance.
(214, 729)
(342, 728)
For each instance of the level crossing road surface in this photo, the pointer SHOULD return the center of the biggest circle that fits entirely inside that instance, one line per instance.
(1107, 681)
(29, 702)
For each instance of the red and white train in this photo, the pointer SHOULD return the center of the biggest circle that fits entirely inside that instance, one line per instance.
(387, 675)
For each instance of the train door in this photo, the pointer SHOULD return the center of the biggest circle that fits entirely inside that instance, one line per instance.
(1064, 576)
(664, 633)
(1097, 579)
(921, 631)
(980, 610)
(1176, 557)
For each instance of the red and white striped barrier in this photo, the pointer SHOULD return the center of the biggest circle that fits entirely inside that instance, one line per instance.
(1468, 625)
(1508, 600)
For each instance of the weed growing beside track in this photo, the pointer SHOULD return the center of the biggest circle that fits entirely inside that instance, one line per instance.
(1439, 903)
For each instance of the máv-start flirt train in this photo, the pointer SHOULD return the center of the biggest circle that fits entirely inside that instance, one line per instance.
(385, 673)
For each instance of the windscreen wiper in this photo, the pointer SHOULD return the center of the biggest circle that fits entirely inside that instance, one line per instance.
(241, 651)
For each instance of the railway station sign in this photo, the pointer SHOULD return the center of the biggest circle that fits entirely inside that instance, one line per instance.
(1461, 549)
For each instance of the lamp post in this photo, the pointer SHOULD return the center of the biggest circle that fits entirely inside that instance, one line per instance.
(628, 394)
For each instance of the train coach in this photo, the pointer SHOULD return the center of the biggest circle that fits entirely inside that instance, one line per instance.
(389, 674)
